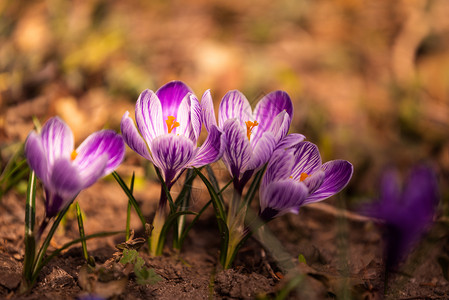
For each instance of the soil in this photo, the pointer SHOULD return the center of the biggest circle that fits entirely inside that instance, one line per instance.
(368, 80)
(342, 252)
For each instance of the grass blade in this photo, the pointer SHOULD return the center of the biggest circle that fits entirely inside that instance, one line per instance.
(30, 242)
(131, 198)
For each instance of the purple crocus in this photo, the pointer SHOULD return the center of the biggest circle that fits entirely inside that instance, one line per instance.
(296, 177)
(252, 136)
(64, 171)
(406, 213)
(168, 126)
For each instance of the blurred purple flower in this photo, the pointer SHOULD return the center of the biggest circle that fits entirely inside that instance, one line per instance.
(251, 137)
(168, 126)
(406, 213)
(296, 177)
(64, 171)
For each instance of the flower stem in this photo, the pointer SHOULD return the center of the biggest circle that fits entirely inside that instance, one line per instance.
(30, 241)
(158, 223)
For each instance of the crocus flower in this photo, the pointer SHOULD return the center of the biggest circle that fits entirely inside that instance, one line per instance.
(252, 136)
(406, 213)
(64, 171)
(168, 126)
(296, 177)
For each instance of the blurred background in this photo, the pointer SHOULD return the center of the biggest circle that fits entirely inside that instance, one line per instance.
(369, 79)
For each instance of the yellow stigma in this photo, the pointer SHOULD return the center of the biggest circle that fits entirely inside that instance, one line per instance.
(171, 123)
(303, 176)
(249, 128)
(73, 155)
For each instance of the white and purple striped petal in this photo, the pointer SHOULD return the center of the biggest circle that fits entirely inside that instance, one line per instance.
(234, 105)
(57, 139)
(279, 167)
(337, 175)
(266, 111)
(149, 116)
(171, 96)
(211, 150)
(104, 143)
(207, 111)
(307, 159)
(172, 153)
(281, 197)
(290, 140)
(132, 137)
(64, 184)
(238, 152)
(36, 156)
(262, 151)
(189, 118)
(280, 125)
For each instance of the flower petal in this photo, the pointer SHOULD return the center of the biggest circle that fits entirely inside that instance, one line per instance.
(132, 137)
(238, 152)
(211, 150)
(36, 157)
(314, 181)
(262, 151)
(65, 183)
(279, 167)
(94, 171)
(337, 175)
(149, 116)
(207, 111)
(307, 159)
(283, 196)
(268, 108)
(234, 105)
(172, 153)
(290, 140)
(104, 142)
(280, 125)
(189, 118)
(57, 139)
(170, 96)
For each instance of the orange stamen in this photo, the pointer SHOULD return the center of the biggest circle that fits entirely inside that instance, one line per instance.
(73, 155)
(303, 176)
(171, 123)
(249, 128)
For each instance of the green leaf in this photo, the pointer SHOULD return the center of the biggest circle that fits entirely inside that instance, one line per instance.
(168, 223)
(254, 186)
(186, 189)
(216, 201)
(30, 242)
(129, 256)
(301, 258)
(130, 197)
(147, 276)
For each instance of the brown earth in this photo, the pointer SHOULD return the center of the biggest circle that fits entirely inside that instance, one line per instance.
(342, 251)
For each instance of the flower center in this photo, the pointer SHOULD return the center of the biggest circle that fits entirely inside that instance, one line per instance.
(73, 155)
(171, 123)
(249, 128)
(303, 176)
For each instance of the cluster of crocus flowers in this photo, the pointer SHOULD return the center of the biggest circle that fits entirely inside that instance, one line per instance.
(405, 212)
(168, 127)
(65, 171)
(295, 176)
